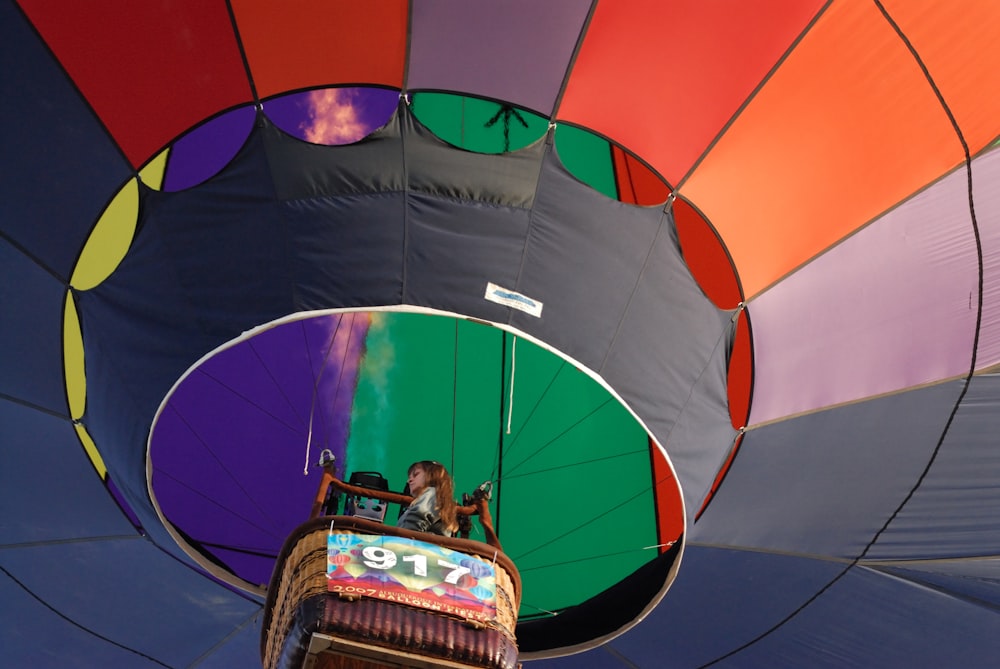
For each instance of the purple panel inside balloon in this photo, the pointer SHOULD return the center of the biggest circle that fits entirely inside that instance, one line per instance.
(203, 152)
(333, 116)
(283, 396)
(123, 503)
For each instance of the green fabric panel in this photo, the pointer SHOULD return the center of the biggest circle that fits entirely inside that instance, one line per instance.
(588, 158)
(462, 121)
(572, 479)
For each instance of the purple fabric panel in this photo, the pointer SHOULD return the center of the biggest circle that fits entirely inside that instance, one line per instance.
(515, 51)
(361, 110)
(986, 189)
(892, 307)
(256, 397)
(204, 151)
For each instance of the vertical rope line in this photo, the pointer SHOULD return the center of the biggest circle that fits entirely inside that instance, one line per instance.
(454, 399)
(315, 391)
(499, 470)
(513, 365)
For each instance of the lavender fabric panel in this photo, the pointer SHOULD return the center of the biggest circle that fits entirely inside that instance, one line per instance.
(892, 307)
(986, 190)
(507, 51)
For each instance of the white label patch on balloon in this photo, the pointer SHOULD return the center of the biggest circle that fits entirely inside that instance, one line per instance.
(513, 299)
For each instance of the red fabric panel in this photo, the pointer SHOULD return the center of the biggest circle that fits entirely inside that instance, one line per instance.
(312, 43)
(151, 70)
(706, 257)
(669, 510)
(637, 184)
(691, 61)
(740, 382)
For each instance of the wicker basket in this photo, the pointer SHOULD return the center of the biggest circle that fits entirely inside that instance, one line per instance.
(368, 633)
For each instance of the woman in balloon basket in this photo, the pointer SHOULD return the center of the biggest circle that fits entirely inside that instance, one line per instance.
(433, 508)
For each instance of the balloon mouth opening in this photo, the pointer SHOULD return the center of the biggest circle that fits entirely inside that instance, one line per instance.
(231, 461)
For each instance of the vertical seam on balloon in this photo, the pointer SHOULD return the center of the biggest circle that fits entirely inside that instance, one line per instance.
(584, 29)
(664, 215)
(409, 46)
(979, 256)
(64, 282)
(405, 129)
(550, 135)
(454, 397)
(975, 347)
(243, 52)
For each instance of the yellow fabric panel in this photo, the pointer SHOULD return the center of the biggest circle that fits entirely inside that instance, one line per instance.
(76, 382)
(110, 239)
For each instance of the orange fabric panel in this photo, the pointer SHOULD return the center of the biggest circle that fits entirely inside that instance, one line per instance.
(846, 128)
(691, 61)
(959, 46)
(312, 43)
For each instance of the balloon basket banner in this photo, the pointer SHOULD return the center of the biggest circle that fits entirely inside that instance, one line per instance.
(380, 614)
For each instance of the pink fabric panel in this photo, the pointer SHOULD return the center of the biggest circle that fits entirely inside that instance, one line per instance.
(892, 307)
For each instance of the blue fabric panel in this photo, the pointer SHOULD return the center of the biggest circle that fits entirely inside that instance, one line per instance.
(125, 590)
(49, 489)
(49, 639)
(867, 619)
(241, 649)
(31, 325)
(977, 581)
(66, 168)
(721, 600)
(827, 482)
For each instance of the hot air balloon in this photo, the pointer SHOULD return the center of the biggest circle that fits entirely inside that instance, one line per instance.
(705, 291)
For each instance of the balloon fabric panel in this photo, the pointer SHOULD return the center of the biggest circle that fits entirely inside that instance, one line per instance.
(838, 108)
(710, 58)
(840, 153)
(308, 44)
(521, 54)
(157, 43)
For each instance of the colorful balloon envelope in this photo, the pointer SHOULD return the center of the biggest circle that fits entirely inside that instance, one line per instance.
(707, 293)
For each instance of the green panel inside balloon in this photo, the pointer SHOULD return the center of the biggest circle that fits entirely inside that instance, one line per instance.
(490, 127)
(572, 502)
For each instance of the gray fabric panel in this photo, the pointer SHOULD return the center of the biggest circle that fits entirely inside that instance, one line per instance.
(438, 168)
(302, 170)
(347, 251)
(827, 482)
(954, 511)
(619, 298)
(669, 360)
(454, 248)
